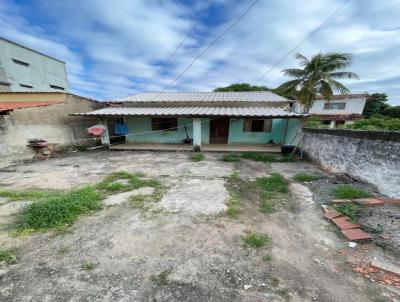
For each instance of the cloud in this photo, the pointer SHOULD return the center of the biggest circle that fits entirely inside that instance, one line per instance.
(112, 48)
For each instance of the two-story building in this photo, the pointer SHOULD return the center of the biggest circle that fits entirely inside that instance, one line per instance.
(26, 70)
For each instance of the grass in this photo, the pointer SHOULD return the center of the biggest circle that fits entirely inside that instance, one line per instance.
(255, 239)
(33, 195)
(234, 200)
(348, 192)
(267, 258)
(7, 256)
(63, 250)
(59, 210)
(273, 188)
(268, 206)
(307, 177)
(134, 181)
(88, 265)
(351, 210)
(231, 157)
(197, 157)
(162, 278)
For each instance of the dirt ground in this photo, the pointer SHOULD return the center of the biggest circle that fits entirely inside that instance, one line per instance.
(187, 249)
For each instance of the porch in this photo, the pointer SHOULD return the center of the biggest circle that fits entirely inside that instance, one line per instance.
(269, 148)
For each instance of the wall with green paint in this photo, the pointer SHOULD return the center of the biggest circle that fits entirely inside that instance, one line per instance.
(237, 135)
(293, 131)
(138, 125)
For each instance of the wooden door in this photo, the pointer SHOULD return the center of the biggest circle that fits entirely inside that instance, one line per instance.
(219, 131)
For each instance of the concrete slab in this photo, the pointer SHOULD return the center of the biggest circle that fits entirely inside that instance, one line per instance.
(369, 202)
(123, 197)
(356, 235)
(386, 267)
(344, 223)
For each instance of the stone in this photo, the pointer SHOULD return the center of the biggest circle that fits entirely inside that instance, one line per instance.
(123, 197)
(248, 286)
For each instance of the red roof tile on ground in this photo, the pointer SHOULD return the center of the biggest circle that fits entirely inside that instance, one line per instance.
(369, 202)
(389, 200)
(344, 223)
(4, 106)
(356, 234)
(341, 201)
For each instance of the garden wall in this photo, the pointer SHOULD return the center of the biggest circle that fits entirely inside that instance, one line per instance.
(372, 156)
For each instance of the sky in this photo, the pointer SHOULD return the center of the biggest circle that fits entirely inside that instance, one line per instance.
(113, 49)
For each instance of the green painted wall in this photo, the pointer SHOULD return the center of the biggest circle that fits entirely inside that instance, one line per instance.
(236, 134)
(139, 125)
(294, 131)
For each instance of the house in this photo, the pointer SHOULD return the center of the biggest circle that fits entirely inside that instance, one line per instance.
(207, 120)
(44, 115)
(342, 109)
(24, 69)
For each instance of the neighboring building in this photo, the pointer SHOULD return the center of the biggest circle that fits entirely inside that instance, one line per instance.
(25, 116)
(204, 117)
(24, 69)
(342, 109)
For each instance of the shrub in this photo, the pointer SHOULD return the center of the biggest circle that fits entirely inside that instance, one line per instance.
(351, 210)
(58, 210)
(376, 123)
(348, 192)
(255, 239)
(198, 157)
(306, 177)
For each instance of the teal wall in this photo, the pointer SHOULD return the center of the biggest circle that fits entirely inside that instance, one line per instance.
(236, 135)
(139, 125)
(294, 131)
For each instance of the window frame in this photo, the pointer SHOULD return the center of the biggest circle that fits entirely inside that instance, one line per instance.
(248, 125)
(335, 106)
(164, 124)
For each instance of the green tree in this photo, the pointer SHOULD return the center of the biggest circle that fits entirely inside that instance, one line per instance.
(241, 87)
(318, 76)
(392, 111)
(375, 104)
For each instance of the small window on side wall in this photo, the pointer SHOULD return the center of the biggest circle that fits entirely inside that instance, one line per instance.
(166, 124)
(257, 125)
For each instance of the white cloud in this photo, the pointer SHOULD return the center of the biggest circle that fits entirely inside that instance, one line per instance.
(113, 47)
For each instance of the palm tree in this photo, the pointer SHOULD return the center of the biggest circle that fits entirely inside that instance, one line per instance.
(317, 77)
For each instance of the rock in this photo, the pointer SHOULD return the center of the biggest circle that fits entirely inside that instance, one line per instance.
(247, 286)
(123, 197)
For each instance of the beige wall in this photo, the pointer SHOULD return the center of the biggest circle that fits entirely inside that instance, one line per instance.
(32, 97)
(51, 123)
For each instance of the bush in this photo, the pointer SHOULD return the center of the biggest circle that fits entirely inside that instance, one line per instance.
(376, 123)
(7, 256)
(59, 210)
(348, 192)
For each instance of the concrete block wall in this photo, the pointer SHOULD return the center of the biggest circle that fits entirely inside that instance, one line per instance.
(372, 156)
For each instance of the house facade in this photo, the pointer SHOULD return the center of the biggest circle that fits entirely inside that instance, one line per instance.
(26, 70)
(342, 109)
(201, 118)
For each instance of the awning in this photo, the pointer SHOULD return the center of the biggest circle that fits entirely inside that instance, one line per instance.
(193, 111)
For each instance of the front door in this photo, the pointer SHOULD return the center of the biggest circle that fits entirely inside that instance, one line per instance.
(219, 131)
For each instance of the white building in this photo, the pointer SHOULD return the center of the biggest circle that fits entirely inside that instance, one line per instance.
(342, 109)
(26, 70)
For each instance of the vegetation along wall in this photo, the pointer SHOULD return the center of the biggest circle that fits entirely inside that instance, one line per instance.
(372, 156)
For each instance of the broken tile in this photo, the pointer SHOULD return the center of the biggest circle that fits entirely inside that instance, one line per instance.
(330, 213)
(341, 201)
(356, 234)
(369, 202)
(389, 200)
(344, 223)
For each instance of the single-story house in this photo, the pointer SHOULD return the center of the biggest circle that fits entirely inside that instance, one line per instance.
(199, 119)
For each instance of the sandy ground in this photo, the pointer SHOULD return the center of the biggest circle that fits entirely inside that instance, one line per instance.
(192, 242)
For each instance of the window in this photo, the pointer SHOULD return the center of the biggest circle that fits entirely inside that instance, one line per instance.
(20, 62)
(168, 124)
(57, 87)
(257, 125)
(25, 86)
(334, 106)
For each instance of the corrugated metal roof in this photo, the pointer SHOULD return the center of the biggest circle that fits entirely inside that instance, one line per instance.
(3, 77)
(193, 111)
(256, 96)
(5, 106)
(346, 96)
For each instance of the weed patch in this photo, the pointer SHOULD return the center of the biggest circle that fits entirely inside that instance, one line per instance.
(198, 157)
(255, 239)
(351, 210)
(231, 157)
(274, 188)
(25, 195)
(267, 258)
(307, 177)
(162, 278)
(63, 250)
(348, 192)
(112, 183)
(7, 256)
(234, 200)
(88, 265)
(58, 210)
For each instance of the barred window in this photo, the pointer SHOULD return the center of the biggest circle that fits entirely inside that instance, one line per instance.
(257, 125)
(167, 124)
